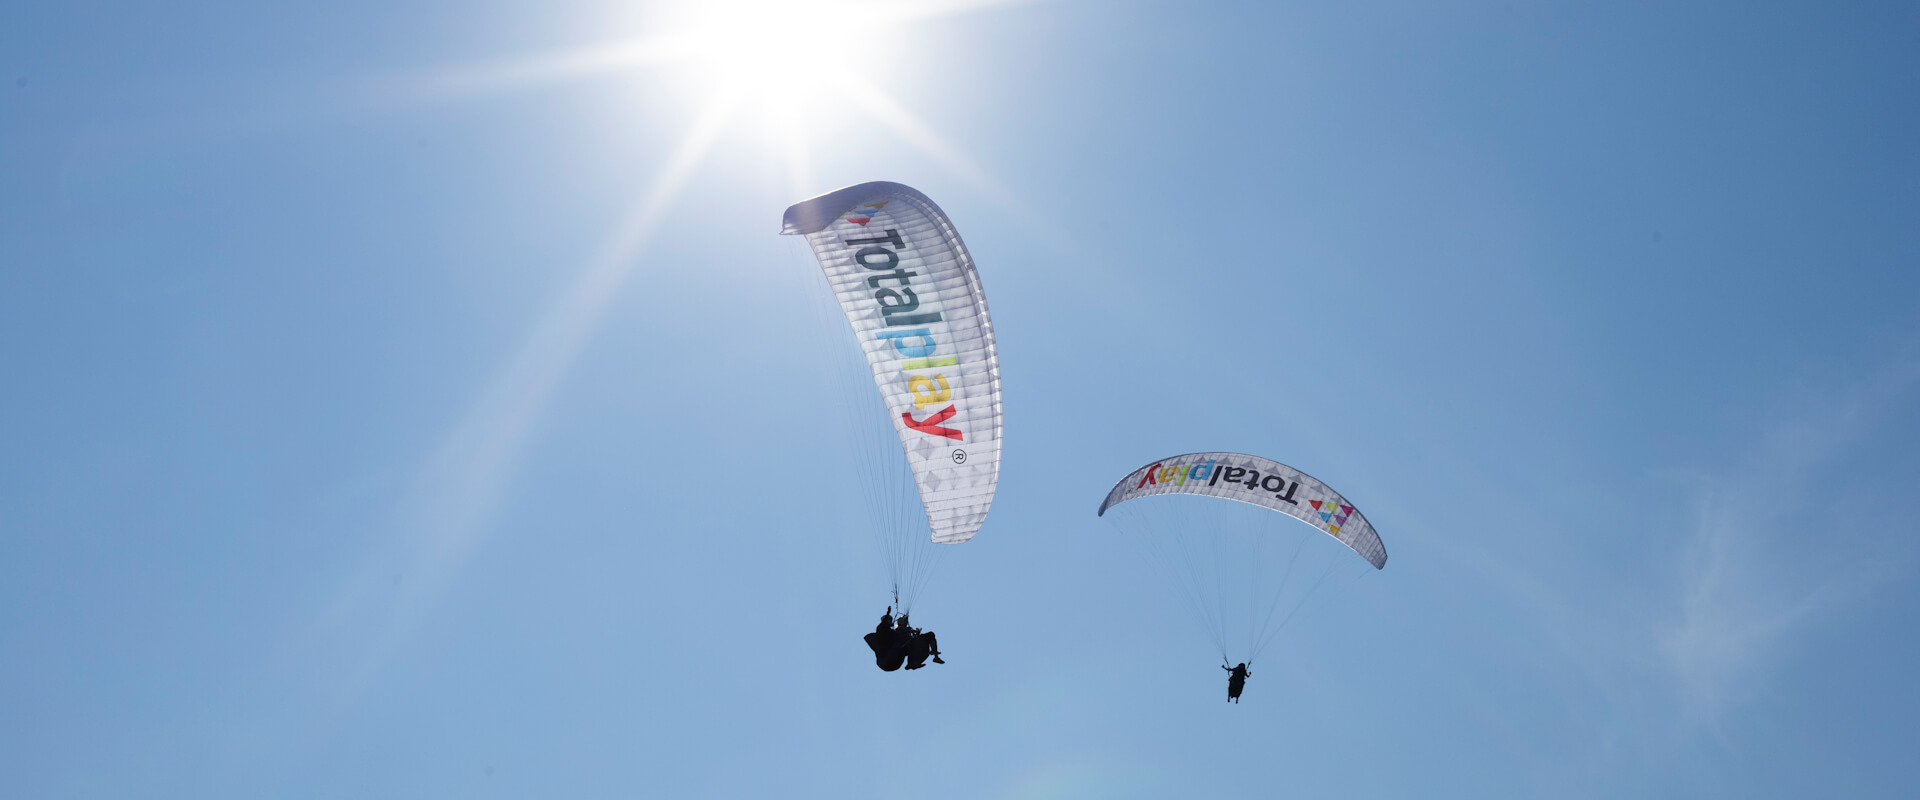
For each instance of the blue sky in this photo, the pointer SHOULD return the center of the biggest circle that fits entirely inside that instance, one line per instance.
(397, 405)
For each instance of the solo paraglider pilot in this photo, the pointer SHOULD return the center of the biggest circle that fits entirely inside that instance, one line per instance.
(1236, 681)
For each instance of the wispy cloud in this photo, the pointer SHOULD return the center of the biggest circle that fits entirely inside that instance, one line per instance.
(1655, 652)
(1766, 557)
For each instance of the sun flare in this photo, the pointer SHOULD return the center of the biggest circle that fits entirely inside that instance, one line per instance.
(785, 60)
(771, 48)
(787, 70)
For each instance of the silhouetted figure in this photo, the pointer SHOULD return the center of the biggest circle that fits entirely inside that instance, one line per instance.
(921, 645)
(1236, 681)
(896, 641)
(889, 642)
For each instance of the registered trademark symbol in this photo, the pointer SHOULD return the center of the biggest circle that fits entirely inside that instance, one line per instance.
(959, 456)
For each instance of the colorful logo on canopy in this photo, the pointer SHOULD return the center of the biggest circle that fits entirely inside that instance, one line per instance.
(1334, 514)
(899, 307)
(864, 214)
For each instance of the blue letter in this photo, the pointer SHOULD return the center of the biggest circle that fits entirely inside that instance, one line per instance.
(917, 351)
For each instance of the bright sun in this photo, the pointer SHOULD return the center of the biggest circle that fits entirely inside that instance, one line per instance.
(775, 65)
(789, 68)
(786, 65)
(772, 47)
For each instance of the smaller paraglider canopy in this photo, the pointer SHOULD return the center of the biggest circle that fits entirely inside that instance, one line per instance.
(1256, 481)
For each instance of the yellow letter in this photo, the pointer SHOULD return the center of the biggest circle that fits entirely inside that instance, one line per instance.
(925, 395)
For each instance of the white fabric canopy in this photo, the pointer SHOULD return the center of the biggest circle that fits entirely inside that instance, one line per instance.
(910, 292)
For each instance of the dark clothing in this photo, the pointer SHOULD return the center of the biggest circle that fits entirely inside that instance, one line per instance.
(919, 648)
(896, 642)
(889, 641)
(1236, 681)
(889, 650)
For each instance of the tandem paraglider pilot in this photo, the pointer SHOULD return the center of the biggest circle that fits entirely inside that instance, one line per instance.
(895, 643)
